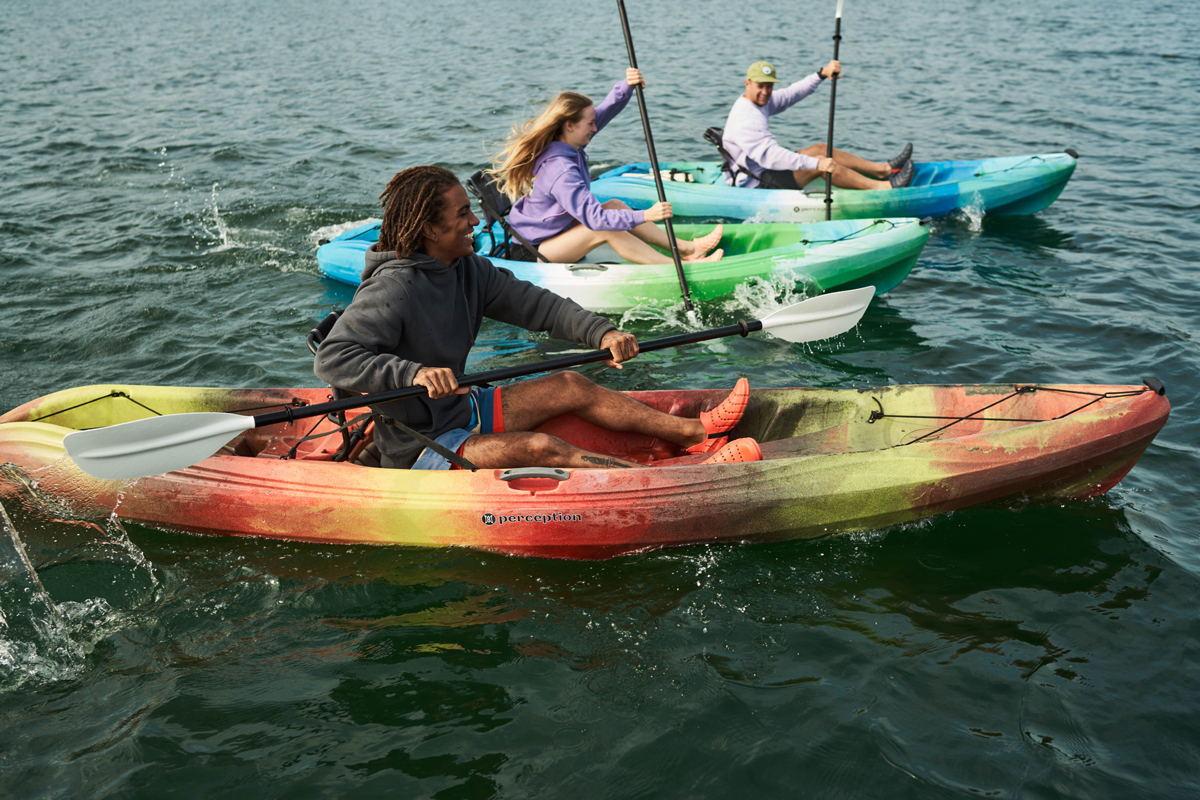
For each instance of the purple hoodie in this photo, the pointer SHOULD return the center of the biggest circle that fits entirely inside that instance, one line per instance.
(562, 193)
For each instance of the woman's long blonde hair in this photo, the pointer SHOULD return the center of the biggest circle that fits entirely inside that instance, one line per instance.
(514, 163)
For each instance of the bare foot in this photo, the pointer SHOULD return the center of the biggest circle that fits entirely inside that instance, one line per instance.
(715, 256)
(705, 243)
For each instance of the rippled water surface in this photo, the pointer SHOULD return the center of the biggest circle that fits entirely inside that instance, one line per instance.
(167, 170)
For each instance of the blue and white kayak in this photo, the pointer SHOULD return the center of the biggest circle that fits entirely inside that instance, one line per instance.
(997, 186)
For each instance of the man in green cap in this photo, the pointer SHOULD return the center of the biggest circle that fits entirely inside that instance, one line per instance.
(761, 162)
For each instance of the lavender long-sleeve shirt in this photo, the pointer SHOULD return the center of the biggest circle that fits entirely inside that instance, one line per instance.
(562, 188)
(748, 136)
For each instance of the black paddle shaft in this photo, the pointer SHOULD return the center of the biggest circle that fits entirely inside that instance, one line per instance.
(833, 79)
(294, 413)
(658, 183)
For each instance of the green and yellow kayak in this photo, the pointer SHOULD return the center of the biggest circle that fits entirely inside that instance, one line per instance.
(834, 461)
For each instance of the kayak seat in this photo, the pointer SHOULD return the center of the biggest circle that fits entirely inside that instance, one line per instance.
(358, 440)
(239, 447)
(354, 441)
(495, 206)
(728, 165)
(366, 452)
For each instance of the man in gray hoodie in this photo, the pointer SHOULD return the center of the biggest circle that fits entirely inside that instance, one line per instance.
(415, 317)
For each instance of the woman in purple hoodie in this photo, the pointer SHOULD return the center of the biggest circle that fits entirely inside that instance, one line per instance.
(543, 163)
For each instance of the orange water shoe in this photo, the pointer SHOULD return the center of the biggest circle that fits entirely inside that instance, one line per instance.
(739, 451)
(723, 418)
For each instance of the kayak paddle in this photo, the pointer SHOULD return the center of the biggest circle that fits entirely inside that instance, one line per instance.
(833, 79)
(174, 441)
(658, 183)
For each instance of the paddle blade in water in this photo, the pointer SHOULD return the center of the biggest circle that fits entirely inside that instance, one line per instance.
(152, 446)
(820, 317)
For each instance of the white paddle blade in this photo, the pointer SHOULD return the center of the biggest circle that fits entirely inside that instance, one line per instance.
(152, 446)
(820, 317)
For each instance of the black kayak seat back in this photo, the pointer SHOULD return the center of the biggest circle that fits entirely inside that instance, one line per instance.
(495, 206)
(318, 334)
(717, 137)
(349, 438)
(494, 202)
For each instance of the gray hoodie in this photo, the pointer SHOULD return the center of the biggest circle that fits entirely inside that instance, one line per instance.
(417, 312)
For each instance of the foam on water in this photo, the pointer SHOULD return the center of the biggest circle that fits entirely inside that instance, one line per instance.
(330, 231)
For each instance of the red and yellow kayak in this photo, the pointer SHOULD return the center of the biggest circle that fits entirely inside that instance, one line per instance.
(833, 461)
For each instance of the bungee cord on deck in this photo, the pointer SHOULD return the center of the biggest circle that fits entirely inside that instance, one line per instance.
(1020, 390)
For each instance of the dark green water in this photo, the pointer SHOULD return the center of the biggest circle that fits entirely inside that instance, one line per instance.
(167, 169)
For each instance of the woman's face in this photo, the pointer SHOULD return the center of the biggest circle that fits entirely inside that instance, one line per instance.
(578, 134)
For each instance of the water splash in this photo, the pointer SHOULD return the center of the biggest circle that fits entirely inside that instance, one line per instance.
(82, 529)
(972, 212)
(337, 229)
(754, 299)
(661, 314)
(42, 641)
(761, 296)
(35, 640)
(230, 238)
(220, 229)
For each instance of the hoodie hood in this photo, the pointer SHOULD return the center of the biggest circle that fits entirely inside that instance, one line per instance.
(558, 149)
(387, 259)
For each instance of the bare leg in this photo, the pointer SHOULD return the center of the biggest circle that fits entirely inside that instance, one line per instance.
(850, 173)
(530, 403)
(652, 234)
(494, 450)
(576, 242)
(872, 169)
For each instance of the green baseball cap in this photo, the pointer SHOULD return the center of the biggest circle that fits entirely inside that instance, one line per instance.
(761, 72)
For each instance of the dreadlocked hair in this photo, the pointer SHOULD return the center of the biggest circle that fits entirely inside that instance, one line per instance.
(413, 198)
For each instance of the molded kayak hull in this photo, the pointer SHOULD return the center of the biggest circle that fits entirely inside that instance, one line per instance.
(831, 464)
(999, 186)
(812, 258)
